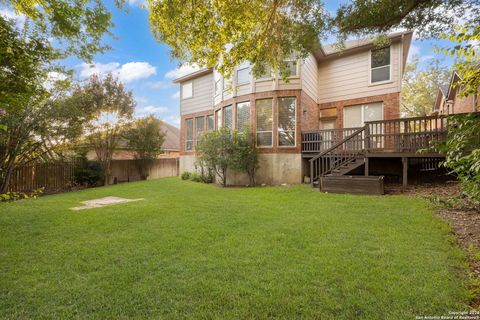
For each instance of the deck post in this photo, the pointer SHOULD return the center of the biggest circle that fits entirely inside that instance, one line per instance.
(366, 166)
(405, 173)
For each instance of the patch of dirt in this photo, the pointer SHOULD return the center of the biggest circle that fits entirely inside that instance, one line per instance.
(102, 202)
(464, 217)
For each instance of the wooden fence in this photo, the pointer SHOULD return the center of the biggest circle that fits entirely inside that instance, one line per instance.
(60, 176)
(52, 177)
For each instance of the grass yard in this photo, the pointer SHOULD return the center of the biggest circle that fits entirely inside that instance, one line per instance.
(196, 251)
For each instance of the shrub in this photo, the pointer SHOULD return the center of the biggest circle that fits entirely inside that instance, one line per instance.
(245, 158)
(14, 196)
(462, 152)
(185, 175)
(88, 173)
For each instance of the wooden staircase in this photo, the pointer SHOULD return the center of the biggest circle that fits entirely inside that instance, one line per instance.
(348, 167)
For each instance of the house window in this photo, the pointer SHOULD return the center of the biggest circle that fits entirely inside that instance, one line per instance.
(210, 122)
(199, 128)
(380, 64)
(243, 76)
(264, 114)
(218, 87)
(218, 116)
(266, 74)
(286, 121)
(187, 90)
(243, 116)
(189, 135)
(228, 117)
(291, 68)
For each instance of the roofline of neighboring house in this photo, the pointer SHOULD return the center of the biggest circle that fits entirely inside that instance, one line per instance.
(320, 54)
(455, 75)
(437, 98)
(193, 75)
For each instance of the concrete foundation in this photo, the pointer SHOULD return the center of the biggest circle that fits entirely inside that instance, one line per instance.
(274, 169)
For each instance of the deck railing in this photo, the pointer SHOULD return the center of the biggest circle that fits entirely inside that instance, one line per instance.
(396, 135)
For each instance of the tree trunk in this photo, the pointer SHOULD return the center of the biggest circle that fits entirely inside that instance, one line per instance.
(6, 177)
(224, 180)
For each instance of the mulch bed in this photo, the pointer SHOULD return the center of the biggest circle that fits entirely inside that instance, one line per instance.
(463, 216)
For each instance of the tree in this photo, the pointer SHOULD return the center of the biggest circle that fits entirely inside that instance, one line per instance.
(216, 150)
(146, 138)
(76, 25)
(245, 157)
(112, 106)
(32, 114)
(462, 152)
(420, 87)
(206, 32)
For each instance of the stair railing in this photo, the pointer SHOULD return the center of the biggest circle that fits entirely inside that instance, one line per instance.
(339, 154)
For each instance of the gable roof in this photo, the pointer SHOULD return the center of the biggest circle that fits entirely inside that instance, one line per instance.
(172, 137)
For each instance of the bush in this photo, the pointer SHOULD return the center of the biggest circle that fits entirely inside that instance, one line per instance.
(196, 177)
(462, 152)
(88, 172)
(185, 175)
(14, 196)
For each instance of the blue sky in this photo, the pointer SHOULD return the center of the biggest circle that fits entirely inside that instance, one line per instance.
(146, 68)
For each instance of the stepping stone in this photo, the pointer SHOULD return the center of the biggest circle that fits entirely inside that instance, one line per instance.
(103, 202)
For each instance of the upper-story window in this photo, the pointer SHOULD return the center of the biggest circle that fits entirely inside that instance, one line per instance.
(243, 75)
(380, 64)
(266, 74)
(291, 68)
(187, 90)
(218, 87)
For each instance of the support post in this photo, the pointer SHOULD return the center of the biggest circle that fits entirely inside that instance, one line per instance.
(366, 166)
(405, 173)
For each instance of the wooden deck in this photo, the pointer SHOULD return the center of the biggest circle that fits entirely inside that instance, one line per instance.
(333, 151)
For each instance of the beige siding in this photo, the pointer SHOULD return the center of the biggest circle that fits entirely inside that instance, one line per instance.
(348, 77)
(203, 92)
(309, 73)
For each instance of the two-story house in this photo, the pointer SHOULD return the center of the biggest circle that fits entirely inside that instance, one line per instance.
(449, 102)
(331, 89)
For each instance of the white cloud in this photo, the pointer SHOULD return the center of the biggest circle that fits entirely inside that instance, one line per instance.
(176, 95)
(181, 71)
(12, 15)
(127, 72)
(175, 120)
(151, 110)
(159, 85)
(53, 77)
(139, 3)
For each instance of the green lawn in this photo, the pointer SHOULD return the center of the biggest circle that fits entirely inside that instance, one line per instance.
(195, 251)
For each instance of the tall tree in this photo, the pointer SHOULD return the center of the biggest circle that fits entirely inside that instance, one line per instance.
(420, 87)
(33, 114)
(146, 138)
(207, 32)
(113, 107)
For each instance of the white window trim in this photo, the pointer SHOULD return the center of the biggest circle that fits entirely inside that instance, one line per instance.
(236, 112)
(193, 135)
(297, 67)
(266, 146)
(220, 86)
(223, 116)
(181, 90)
(370, 83)
(362, 116)
(295, 120)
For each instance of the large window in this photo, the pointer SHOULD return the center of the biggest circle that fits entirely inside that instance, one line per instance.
(189, 135)
(264, 113)
(228, 117)
(218, 116)
(243, 116)
(286, 121)
(243, 75)
(199, 128)
(210, 122)
(187, 90)
(266, 74)
(380, 64)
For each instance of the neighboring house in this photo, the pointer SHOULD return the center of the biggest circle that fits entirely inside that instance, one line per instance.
(329, 90)
(170, 146)
(448, 102)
